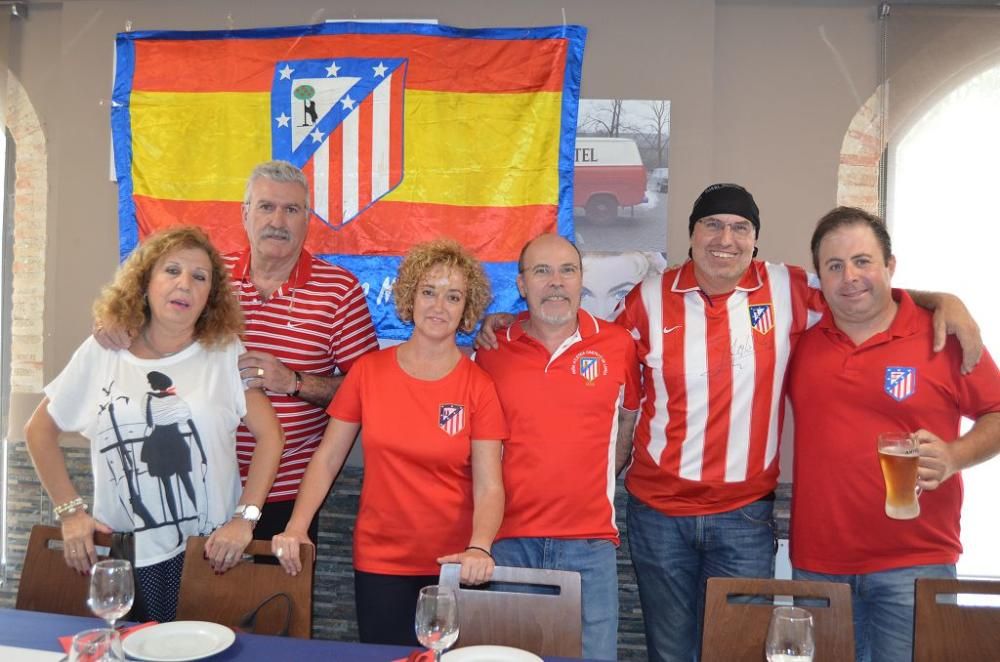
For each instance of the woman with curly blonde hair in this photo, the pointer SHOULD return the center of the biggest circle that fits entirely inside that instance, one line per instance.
(161, 418)
(432, 490)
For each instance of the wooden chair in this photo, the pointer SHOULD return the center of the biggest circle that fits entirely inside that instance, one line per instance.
(736, 631)
(47, 583)
(229, 598)
(951, 631)
(543, 623)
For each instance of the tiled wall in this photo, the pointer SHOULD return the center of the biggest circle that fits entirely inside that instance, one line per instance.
(333, 603)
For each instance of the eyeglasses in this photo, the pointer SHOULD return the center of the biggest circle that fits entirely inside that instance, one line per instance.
(741, 229)
(545, 270)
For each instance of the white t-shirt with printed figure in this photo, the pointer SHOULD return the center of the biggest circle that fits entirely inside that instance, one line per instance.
(162, 439)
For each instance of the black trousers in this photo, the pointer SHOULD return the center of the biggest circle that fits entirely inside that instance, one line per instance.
(387, 606)
(274, 518)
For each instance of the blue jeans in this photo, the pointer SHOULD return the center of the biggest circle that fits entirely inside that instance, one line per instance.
(673, 557)
(595, 561)
(883, 609)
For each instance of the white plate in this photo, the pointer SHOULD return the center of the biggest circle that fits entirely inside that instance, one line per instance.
(180, 641)
(489, 654)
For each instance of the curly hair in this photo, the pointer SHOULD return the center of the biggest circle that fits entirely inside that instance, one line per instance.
(450, 254)
(123, 302)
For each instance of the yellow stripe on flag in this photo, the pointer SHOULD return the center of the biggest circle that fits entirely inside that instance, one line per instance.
(192, 146)
(480, 149)
(474, 149)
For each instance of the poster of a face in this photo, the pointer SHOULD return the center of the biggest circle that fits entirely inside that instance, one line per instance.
(609, 276)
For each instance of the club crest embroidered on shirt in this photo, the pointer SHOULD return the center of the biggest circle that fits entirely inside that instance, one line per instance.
(590, 365)
(451, 418)
(761, 318)
(900, 382)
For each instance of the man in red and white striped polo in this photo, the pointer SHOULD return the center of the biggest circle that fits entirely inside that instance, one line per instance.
(305, 320)
(714, 338)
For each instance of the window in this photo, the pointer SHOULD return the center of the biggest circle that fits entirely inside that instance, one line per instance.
(945, 226)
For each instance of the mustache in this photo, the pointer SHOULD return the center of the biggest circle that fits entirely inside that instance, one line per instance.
(276, 233)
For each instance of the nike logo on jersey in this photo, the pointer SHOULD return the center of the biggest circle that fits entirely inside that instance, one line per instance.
(672, 328)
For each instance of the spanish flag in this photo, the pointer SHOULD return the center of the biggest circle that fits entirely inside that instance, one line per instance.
(407, 132)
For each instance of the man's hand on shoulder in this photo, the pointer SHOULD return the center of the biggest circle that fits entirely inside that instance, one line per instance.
(487, 337)
(111, 337)
(952, 318)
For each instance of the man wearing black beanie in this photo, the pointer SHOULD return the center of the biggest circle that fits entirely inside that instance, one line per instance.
(714, 338)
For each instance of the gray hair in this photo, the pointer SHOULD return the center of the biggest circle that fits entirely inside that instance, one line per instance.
(277, 171)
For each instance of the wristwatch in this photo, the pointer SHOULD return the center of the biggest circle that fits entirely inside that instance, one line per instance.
(249, 512)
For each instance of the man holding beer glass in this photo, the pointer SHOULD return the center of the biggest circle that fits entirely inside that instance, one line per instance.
(877, 416)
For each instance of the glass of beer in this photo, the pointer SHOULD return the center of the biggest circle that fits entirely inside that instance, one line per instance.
(898, 453)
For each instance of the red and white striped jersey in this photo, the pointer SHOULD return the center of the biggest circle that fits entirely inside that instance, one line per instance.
(713, 384)
(316, 322)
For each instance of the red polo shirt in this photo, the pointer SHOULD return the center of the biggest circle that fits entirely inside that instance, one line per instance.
(562, 409)
(843, 396)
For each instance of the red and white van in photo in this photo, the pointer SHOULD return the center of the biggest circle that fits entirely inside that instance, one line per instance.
(608, 174)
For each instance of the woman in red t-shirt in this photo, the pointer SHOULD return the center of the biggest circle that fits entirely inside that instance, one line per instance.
(432, 491)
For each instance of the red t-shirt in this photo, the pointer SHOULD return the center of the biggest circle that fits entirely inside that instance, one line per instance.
(416, 496)
(559, 463)
(843, 396)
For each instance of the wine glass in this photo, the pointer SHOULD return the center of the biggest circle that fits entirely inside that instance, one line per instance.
(790, 636)
(112, 590)
(100, 645)
(437, 618)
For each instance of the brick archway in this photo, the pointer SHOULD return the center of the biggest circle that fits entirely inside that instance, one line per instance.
(860, 157)
(30, 211)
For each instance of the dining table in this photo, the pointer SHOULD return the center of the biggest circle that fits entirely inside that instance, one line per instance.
(40, 631)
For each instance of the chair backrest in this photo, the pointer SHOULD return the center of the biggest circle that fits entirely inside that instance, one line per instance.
(229, 598)
(47, 583)
(545, 623)
(947, 630)
(737, 630)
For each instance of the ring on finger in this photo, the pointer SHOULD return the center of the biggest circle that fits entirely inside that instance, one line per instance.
(260, 372)
(280, 552)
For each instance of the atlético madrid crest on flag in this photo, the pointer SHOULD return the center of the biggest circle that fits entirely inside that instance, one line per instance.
(900, 383)
(761, 318)
(451, 418)
(341, 121)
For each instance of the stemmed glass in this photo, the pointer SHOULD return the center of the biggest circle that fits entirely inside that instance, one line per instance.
(790, 636)
(112, 590)
(437, 618)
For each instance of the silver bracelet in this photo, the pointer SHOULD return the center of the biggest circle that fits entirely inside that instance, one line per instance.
(69, 507)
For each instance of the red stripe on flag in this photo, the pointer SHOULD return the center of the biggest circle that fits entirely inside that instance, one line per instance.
(223, 221)
(365, 152)
(335, 142)
(442, 64)
(396, 132)
(493, 234)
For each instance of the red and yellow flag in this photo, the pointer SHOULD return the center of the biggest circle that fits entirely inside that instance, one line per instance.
(407, 132)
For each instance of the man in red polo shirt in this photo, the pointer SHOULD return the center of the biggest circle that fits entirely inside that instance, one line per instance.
(868, 367)
(568, 384)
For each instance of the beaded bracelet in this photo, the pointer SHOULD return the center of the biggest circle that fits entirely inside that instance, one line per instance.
(69, 507)
(484, 551)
